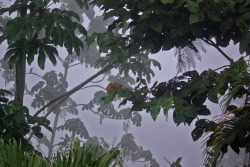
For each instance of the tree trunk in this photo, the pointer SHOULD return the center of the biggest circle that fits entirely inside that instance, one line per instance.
(20, 82)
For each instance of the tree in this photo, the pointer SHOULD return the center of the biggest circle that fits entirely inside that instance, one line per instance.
(52, 83)
(140, 27)
(162, 25)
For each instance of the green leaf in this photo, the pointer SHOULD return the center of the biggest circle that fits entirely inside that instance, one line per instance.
(72, 14)
(3, 10)
(167, 103)
(191, 111)
(51, 52)
(156, 25)
(38, 3)
(91, 38)
(19, 117)
(81, 4)
(10, 53)
(13, 59)
(124, 93)
(109, 98)
(212, 96)
(167, 1)
(117, 54)
(81, 29)
(154, 112)
(193, 7)
(41, 58)
(213, 17)
(29, 31)
(194, 19)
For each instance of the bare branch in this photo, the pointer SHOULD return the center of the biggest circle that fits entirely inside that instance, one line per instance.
(67, 94)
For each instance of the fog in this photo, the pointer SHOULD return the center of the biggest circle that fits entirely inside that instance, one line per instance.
(162, 137)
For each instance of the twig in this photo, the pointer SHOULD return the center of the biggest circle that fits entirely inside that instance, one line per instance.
(221, 67)
(34, 74)
(99, 80)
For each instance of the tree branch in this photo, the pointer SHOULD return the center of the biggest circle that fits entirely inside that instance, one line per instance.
(67, 94)
(34, 74)
(74, 64)
(210, 42)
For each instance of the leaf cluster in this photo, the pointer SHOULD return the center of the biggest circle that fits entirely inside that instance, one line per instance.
(15, 116)
(187, 94)
(165, 24)
(39, 32)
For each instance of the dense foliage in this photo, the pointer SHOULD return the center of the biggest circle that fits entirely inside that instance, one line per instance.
(135, 29)
(12, 155)
(16, 121)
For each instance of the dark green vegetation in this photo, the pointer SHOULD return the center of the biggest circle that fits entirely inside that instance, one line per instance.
(12, 155)
(135, 29)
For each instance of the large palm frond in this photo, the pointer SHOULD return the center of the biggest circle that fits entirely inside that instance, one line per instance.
(233, 130)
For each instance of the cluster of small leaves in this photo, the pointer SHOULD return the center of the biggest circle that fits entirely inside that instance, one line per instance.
(165, 24)
(39, 32)
(76, 126)
(105, 110)
(134, 152)
(13, 117)
(51, 86)
(187, 95)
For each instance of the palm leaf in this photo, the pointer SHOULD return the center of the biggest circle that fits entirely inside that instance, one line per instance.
(234, 127)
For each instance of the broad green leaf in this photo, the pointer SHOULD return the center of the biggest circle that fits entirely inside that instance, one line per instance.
(167, 1)
(29, 30)
(38, 3)
(10, 53)
(109, 98)
(191, 111)
(51, 52)
(105, 39)
(41, 58)
(117, 54)
(213, 16)
(167, 103)
(156, 25)
(124, 93)
(156, 63)
(193, 7)
(81, 29)
(3, 10)
(72, 14)
(90, 39)
(13, 59)
(81, 4)
(154, 112)
(212, 96)
(109, 14)
(194, 19)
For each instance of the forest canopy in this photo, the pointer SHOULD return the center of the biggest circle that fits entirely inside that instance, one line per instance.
(123, 38)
